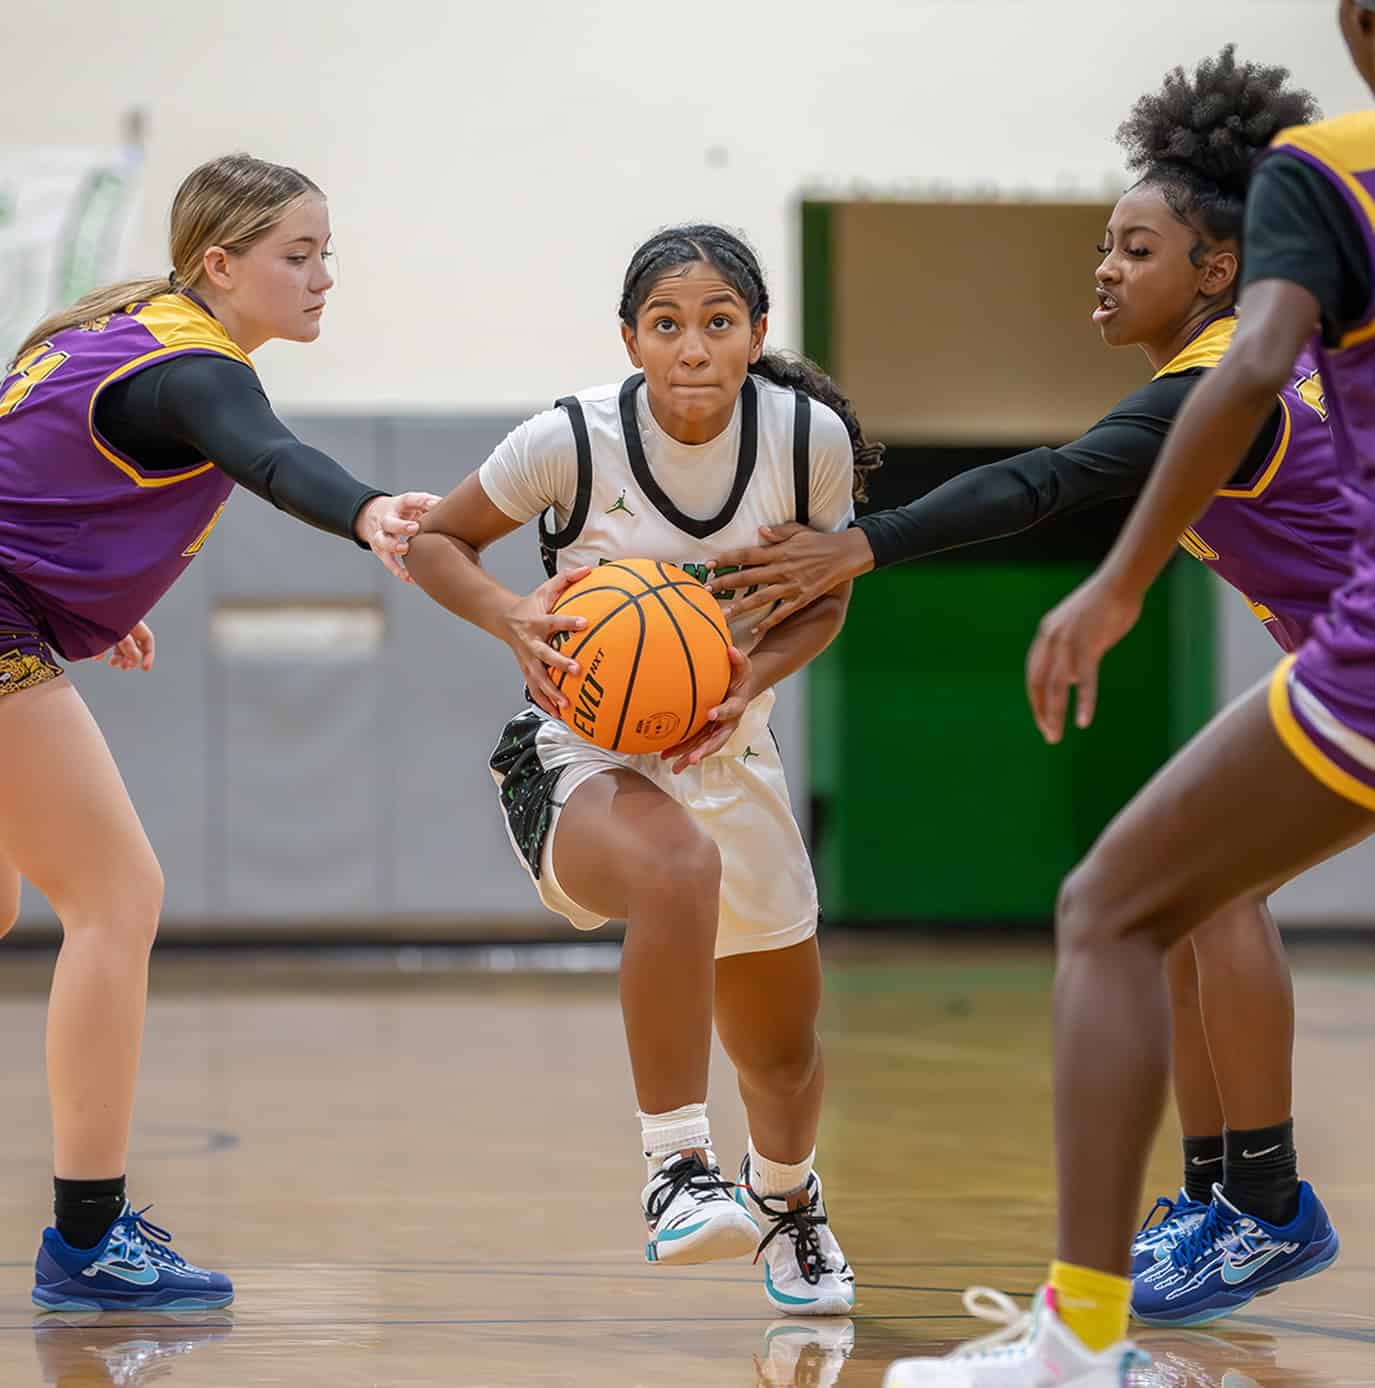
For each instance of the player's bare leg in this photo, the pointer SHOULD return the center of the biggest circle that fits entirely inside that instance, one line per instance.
(1195, 1088)
(10, 886)
(766, 1011)
(1233, 813)
(72, 831)
(626, 850)
(1233, 1051)
(75, 835)
(1246, 999)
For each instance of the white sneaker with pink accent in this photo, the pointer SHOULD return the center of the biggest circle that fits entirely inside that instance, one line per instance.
(1031, 1350)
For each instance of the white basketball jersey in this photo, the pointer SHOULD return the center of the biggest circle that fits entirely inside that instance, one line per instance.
(608, 483)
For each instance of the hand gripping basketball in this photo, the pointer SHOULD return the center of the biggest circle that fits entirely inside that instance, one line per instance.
(532, 629)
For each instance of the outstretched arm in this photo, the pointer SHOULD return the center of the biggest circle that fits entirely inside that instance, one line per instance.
(445, 561)
(216, 407)
(1112, 460)
(1206, 444)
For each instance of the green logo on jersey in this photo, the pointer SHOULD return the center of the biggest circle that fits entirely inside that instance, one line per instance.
(746, 755)
(620, 506)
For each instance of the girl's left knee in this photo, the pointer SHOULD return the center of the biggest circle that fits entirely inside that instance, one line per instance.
(784, 1071)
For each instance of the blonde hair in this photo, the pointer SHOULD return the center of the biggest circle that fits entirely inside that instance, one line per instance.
(230, 201)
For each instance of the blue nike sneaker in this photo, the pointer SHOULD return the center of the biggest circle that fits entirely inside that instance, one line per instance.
(1153, 1241)
(1230, 1259)
(131, 1268)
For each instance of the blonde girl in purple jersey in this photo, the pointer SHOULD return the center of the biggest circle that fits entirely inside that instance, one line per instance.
(125, 422)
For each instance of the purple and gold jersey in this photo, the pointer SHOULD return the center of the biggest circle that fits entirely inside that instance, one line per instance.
(1283, 540)
(92, 539)
(1343, 151)
(1322, 701)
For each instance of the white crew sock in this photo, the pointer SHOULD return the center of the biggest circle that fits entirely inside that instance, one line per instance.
(776, 1177)
(664, 1134)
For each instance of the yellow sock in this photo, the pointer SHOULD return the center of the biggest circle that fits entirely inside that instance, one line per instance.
(1092, 1304)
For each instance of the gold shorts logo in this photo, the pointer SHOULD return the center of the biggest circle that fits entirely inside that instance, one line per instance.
(20, 671)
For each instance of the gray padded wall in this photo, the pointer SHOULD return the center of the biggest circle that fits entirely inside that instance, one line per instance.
(300, 791)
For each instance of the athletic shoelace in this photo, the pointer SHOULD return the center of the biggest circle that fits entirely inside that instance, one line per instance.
(800, 1225)
(143, 1233)
(702, 1182)
(1218, 1228)
(1169, 1206)
(987, 1304)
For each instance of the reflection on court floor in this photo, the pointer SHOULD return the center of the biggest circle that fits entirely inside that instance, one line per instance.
(429, 1175)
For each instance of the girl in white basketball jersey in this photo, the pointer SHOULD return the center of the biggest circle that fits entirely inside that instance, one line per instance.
(696, 848)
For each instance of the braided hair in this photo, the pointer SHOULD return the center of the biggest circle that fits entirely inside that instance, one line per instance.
(734, 260)
(1197, 138)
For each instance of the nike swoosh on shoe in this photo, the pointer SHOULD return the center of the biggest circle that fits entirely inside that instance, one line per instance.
(1234, 1274)
(140, 1277)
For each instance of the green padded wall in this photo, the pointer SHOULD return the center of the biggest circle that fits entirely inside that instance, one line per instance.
(933, 796)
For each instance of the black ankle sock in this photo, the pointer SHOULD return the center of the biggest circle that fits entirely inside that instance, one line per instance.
(86, 1209)
(1262, 1172)
(1202, 1167)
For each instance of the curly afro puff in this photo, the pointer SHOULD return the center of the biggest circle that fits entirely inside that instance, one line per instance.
(1198, 136)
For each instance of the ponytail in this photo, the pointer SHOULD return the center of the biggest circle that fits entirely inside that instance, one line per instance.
(99, 303)
(800, 373)
(229, 202)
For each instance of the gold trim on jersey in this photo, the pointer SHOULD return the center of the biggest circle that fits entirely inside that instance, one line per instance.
(1336, 778)
(196, 545)
(182, 326)
(1259, 611)
(1193, 543)
(1271, 468)
(1340, 145)
(1207, 349)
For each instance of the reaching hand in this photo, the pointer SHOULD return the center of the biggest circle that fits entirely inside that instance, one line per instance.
(1070, 644)
(722, 720)
(134, 652)
(530, 625)
(387, 523)
(796, 566)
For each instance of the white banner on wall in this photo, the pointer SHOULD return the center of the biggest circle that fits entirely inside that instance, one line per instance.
(66, 221)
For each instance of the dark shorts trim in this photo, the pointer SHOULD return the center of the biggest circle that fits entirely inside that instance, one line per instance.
(526, 786)
(26, 658)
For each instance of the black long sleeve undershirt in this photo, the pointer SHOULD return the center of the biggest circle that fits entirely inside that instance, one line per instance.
(178, 413)
(1111, 461)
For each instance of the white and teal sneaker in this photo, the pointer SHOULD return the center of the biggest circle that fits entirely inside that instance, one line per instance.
(805, 1273)
(804, 1354)
(692, 1215)
(1034, 1350)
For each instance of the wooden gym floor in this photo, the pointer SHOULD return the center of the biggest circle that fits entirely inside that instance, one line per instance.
(422, 1174)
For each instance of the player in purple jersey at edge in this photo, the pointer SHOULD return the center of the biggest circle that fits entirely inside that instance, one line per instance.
(125, 422)
(1279, 531)
(1279, 781)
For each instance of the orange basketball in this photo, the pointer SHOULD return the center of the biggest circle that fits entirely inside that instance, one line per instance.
(652, 659)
